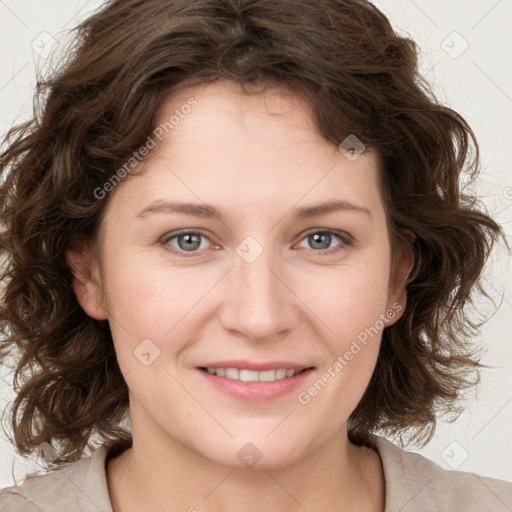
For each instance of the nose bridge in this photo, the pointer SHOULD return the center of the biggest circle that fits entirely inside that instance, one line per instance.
(258, 303)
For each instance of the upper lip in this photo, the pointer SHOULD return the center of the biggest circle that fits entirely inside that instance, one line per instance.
(258, 367)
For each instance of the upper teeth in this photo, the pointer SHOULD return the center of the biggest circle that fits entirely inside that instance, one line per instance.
(251, 375)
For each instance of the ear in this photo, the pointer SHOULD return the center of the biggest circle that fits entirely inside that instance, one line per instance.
(86, 281)
(402, 268)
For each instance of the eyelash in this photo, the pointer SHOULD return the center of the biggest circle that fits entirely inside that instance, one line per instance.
(346, 241)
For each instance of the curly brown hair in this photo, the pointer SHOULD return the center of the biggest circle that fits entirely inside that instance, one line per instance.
(359, 77)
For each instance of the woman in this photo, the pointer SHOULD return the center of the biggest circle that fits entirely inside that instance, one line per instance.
(237, 225)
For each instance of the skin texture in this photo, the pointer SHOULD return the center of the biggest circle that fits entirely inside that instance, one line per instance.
(256, 158)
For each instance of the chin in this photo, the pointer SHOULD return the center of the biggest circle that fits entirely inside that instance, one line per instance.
(254, 453)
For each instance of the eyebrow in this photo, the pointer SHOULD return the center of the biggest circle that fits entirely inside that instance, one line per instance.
(208, 211)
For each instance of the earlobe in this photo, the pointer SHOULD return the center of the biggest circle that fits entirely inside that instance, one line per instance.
(86, 282)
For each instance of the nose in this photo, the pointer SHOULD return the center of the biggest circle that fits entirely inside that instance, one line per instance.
(259, 302)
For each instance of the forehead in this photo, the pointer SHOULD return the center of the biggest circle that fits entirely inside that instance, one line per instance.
(248, 151)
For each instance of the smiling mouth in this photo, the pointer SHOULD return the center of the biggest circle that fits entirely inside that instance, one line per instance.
(252, 375)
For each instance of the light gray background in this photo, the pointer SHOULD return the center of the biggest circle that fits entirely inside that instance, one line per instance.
(476, 81)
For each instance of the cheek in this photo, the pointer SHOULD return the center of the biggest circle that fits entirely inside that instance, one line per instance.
(351, 309)
(351, 314)
(155, 301)
(348, 300)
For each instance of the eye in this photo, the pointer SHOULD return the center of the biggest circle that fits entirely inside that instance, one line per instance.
(186, 241)
(193, 242)
(322, 239)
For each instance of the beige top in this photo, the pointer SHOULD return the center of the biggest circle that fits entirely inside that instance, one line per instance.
(413, 484)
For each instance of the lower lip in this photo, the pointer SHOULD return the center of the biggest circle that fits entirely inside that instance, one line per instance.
(256, 390)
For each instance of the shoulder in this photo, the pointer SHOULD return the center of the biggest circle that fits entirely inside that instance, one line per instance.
(415, 483)
(12, 501)
(80, 486)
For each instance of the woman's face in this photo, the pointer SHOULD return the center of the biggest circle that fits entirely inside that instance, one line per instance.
(221, 255)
